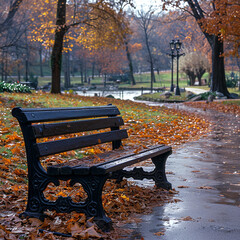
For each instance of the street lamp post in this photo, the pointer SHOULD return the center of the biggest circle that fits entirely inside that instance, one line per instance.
(172, 47)
(178, 46)
(175, 45)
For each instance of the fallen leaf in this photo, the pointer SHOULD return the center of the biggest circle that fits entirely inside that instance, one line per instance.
(35, 222)
(188, 218)
(89, 232)
(159, 233)
(205, 187)
(75, 229)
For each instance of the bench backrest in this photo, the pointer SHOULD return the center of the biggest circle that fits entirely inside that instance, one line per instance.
(62, 121)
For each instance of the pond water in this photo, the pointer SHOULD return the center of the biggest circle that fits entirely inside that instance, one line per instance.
(123, 95)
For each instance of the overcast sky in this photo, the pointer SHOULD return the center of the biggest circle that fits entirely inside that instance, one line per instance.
(145, 3)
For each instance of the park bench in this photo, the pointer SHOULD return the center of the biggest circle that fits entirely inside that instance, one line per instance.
(79, 126)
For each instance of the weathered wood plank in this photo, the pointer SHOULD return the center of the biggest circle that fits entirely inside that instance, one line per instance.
(54, 129)
(67, 170)
(56, 114)
(53, 147)
(120, 163)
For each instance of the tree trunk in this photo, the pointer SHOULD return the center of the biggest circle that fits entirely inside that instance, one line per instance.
(81, 71)
(56, 57)
(199, 81)
(218, 82)
(85, 72)
(18, 65)
(26, 69)
(2, 66)
(192, 80)
(27, 59)
(66, 70)
(150, 59)
(132, 79)
(40, 60)
(152, 75)
(93, 70)
(6, 66)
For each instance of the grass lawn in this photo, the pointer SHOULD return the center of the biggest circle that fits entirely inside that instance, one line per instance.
(231, 102)
(142, 80)
(159, 97)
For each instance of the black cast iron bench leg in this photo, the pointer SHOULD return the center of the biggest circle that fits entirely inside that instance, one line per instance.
(138, 173)
(159, 175)
(93, 186)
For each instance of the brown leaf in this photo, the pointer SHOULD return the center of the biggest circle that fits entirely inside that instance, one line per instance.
(159, 233)
(90, 232)
(205, 187)
(75, 229)
(188, 218)
(35, 222)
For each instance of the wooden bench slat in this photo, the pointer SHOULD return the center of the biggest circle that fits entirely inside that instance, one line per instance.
(128, 152)
(54, 129)
(117, 164)
(109, 157)
(53, 147)
(56, 114)
(67, 170)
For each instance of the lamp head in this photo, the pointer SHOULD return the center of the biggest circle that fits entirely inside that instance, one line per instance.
(172, 45)
(178, 45)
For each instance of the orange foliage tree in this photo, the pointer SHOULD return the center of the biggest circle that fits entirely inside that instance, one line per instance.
(224, 21)
(206, 13)
(90, 24)
(110, 61)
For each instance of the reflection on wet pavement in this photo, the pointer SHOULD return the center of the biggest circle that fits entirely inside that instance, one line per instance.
(207, 175)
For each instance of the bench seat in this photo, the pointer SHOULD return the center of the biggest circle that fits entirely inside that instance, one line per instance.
(112, 161)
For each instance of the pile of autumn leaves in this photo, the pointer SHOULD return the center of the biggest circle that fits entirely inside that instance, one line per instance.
(146, 126)
(228, 107)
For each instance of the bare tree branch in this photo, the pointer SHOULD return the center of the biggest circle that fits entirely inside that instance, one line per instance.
(12, 11)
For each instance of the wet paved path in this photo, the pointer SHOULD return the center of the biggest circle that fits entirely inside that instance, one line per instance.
(210, 204)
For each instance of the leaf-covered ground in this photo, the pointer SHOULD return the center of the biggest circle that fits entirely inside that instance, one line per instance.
(146, 126)
(227, 106)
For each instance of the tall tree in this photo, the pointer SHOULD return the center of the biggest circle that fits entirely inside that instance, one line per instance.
(125, 33)
(56, 58)
(218, 81)
(145, 19)
(95, 16)
(204, 12)
(194, 65)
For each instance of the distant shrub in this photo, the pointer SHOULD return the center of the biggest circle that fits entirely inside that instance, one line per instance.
(232, 82)
(207, 94)
(14, 87)
(33, 81)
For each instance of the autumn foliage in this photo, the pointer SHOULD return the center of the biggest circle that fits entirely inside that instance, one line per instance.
(224, 22)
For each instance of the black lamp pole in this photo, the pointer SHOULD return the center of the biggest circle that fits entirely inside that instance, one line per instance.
(172, 47)
(178, 46)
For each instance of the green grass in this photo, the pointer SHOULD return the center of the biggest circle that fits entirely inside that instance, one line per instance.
(158, 97)
(142, 80)
(232, 102)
